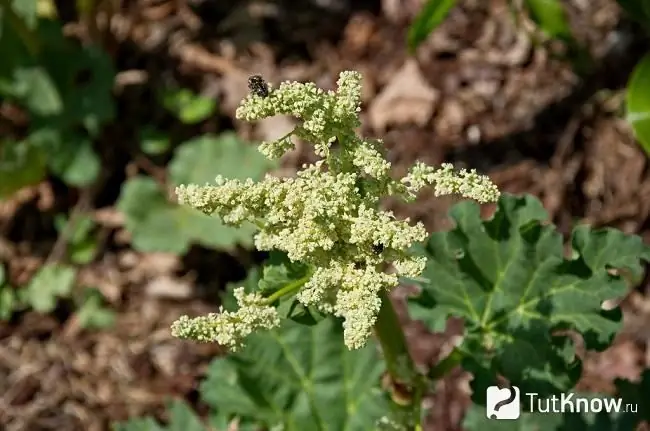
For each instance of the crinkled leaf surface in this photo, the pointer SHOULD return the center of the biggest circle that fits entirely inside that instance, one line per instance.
(200, 160)
(51, 282)
(301, 378)
(279, 271)
(182, 418)
(508, 279)
(159, 225)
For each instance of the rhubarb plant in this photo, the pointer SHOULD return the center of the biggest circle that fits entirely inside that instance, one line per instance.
(314, 340)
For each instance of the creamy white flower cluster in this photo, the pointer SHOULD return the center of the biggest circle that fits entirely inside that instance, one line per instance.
(229, 328)
(327, 216)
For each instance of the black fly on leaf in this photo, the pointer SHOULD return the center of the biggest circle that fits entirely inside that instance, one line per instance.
(258, 86)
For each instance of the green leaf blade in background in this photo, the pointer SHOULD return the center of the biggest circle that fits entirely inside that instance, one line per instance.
(182, 418)
(37, 90)
(638, 102)
(551, 17)
(432, 14)
(158, 225)
(508, 279)
(190, 108)
(300, 378)
(51, 282)
(21, 164)
(200, 160)
(154, 142)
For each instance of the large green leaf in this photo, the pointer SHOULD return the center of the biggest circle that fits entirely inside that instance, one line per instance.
(638, 102)
(159, 225)
(430, 17)
(508, 279)
(300, 378)
(200, 160)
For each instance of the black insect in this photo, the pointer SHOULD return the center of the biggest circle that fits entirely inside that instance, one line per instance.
(258, 86)
(378, 248)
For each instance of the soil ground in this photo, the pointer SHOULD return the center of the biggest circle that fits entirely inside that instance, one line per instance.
(478, 93)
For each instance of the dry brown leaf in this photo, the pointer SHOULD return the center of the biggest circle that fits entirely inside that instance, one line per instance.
(165, 286)
(407, 99)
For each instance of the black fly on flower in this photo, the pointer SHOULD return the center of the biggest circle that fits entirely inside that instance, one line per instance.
(258, 86)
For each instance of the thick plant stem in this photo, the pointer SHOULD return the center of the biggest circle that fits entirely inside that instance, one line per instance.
(406, 383)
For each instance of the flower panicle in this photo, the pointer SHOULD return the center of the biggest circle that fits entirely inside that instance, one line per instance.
(326, 216)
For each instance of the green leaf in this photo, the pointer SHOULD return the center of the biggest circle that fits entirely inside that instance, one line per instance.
(70, 155)
(608, 247)
(154, 142)
(430, 17)
(182, 418)
(187, 106)
(159, 225)
(300, 378)
(82, 247)
(76, 162)
(51, 282)
(638, 102)
(476, 420)
(92, 314)
(200, 160)
(34, 86)
(139, 424)
(508, 279)
(21, 165)
(279, 272)
(293, 310)
(550, 16)
(26, 9)
(9, 302)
